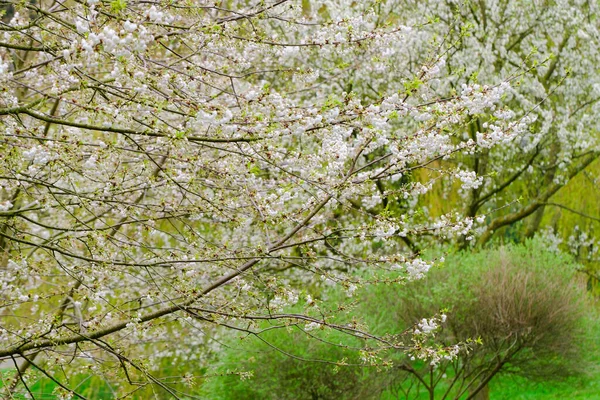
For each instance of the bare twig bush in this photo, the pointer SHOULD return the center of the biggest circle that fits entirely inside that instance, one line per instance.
(522, 307)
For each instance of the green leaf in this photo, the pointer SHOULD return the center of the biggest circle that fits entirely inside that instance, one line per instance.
(117, 6)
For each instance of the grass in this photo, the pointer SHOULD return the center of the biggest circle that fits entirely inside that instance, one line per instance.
(514, 388)
(585, 387)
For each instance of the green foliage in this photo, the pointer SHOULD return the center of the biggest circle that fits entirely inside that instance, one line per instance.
(412, 86)
(498, 300)
(87, 385)
(290, 366)
(579, 198)
(117, 6)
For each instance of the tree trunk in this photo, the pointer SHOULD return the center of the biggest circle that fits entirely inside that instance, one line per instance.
(483, 394)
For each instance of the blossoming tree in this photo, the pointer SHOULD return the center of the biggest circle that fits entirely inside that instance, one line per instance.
(559, 42)
(170, 167)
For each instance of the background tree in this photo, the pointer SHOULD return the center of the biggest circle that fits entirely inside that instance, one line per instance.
(517, 185)
(559, 41)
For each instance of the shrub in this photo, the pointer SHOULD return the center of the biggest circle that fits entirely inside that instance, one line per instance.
(253, 369)
(522, 303)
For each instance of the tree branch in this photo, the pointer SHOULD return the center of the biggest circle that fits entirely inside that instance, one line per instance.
(537, 203)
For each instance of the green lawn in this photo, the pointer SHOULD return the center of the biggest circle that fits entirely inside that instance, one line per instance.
(512, 388)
